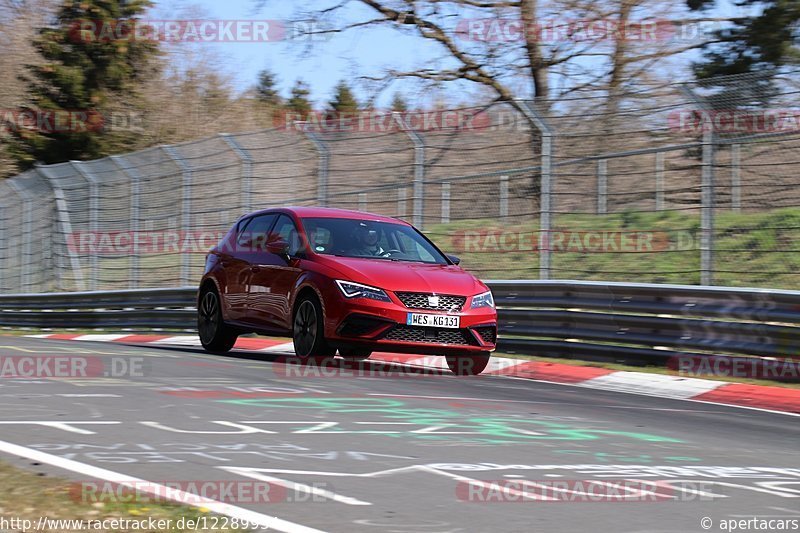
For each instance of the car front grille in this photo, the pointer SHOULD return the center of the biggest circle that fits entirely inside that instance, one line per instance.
(402, 332)
(419, 300)
(487, 333)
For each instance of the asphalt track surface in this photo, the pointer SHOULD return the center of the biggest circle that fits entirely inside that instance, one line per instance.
(400, 452)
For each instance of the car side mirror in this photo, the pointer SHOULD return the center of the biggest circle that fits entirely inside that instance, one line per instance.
(278, 247)
(455, 260)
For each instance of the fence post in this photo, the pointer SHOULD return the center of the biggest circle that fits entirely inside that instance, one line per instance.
(65, 227)
(94, 225)
(546, 189)
(4, 247)
(324, 161)
(602, 187)
(27, 224)
(503, 197)
(659, 181)
(136, 193)
(736, 177)
(418, 191)
(186, 207)
(707, 191)
(401, 202)
(247, 170)
(446, 202)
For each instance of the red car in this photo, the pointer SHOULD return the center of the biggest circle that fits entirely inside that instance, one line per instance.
(344, 280)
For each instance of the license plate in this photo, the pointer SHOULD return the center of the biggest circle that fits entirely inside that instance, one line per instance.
(433, 321)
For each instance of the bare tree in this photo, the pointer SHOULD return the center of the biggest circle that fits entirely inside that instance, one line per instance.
(518, 48)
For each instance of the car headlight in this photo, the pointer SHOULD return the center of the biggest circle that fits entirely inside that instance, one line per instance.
(357, 290)
(483, 300)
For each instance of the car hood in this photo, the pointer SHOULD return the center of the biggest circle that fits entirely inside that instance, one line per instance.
(407, 276)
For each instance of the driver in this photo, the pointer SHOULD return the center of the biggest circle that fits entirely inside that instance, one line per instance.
(366, 241)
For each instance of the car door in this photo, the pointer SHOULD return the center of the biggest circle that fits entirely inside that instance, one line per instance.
(249, 241)
(273, 278)
(237, 273)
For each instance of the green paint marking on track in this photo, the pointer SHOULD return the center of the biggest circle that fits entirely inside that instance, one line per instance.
(441, 424)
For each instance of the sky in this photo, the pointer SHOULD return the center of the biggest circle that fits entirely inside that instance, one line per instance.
(343, 56)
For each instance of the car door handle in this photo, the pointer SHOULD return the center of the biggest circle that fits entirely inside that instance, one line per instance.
(255, 268)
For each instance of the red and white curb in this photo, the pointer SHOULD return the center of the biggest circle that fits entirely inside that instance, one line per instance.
(778, 399)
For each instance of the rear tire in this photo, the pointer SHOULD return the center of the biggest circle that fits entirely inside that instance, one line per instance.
(308, 331)
(215, 336)
(467, 364)
(355, 354)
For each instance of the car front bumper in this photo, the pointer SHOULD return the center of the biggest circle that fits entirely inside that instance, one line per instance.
(383, 326)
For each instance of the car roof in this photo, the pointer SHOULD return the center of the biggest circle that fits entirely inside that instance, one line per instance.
(329, 212)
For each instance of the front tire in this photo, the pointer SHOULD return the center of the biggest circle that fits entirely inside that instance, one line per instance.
(467, 364)
(308, 331)
(215, 336)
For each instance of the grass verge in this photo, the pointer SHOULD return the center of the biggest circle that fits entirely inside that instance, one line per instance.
(28, 496)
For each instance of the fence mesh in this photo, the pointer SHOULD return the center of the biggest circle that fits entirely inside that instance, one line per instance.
(683, 183)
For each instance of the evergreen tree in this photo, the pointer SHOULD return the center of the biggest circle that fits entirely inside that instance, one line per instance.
(399, 103)
(299, 102)
(759, 43)
(96, 71)
(266, 90)
(344, 102)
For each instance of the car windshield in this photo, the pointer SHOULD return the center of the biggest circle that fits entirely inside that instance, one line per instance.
(346, 237)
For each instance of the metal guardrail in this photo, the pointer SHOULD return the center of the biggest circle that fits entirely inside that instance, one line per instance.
(630, 323)
(645, 323)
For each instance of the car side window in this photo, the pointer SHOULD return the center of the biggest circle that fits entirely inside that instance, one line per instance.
(413, 249)
(255, 232)
(286, 230)
(241, 236)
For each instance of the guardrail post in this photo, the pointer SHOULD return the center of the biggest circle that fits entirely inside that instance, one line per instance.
(707, 191)
(324, 162)
(546, 188)
(602, 187)
(186, 207)
(736, 177)
(136, 195)
(247, 170)
(445, 202)
(94, 225)
(503, 197)
(418, 191)
(659, 181)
